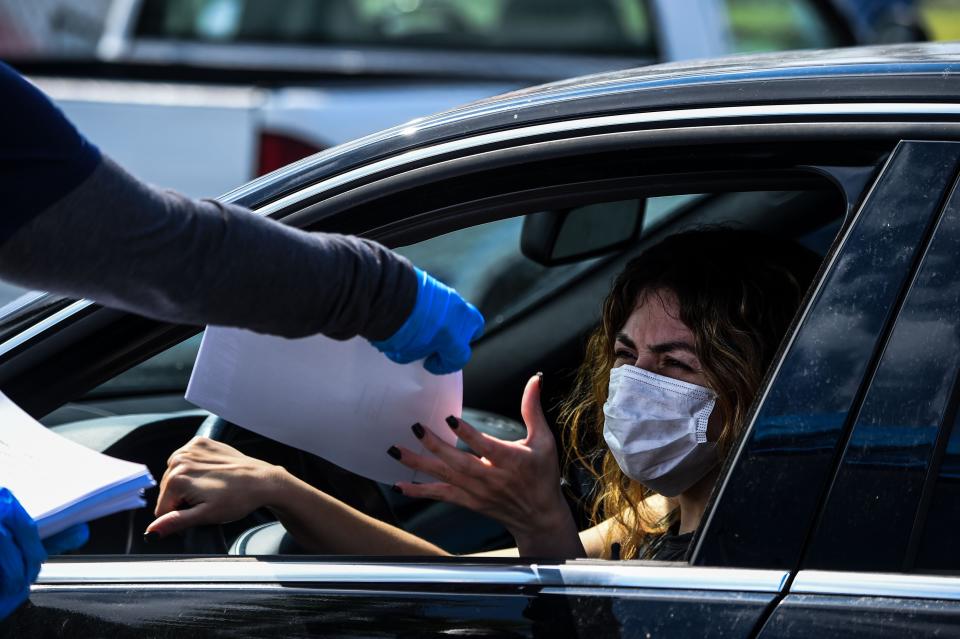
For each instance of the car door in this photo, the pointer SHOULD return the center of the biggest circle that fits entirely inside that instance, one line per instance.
(883, 556)
(721, 596)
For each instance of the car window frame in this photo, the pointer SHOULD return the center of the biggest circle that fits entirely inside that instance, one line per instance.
(799, 178)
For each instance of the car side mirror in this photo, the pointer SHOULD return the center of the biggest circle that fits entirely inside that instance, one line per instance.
(558, 237)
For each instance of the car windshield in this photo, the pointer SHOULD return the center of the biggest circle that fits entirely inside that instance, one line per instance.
(557, 26)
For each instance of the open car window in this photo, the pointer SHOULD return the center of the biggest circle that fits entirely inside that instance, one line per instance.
(141, 414)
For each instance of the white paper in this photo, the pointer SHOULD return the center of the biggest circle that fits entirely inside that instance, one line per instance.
(59, 482)
(341, 400)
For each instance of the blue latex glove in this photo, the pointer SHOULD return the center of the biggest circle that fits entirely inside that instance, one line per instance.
(66, 540)
(22, 552)
(440, 328)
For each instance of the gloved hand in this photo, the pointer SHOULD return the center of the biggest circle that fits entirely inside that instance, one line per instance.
(22, 552)
(66, 540)
(440, 328)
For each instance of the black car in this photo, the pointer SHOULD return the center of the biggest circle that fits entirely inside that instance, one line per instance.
(835, 513)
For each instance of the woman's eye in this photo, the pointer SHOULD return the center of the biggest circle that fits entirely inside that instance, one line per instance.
(673, 363)
(621, 354)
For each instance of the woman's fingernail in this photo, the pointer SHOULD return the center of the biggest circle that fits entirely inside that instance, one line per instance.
(394, 452)
(396, 489)
(150, 537)
(418, 430)
(453, 422)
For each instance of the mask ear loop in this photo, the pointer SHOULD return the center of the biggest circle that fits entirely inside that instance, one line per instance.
(703, 420)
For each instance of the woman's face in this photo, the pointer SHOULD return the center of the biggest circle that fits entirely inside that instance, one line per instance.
(653, 338)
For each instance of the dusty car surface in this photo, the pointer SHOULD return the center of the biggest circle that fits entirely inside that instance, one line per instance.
(837, 511)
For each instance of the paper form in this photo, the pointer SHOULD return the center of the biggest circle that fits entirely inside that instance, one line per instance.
(341, 400)
(59, 482)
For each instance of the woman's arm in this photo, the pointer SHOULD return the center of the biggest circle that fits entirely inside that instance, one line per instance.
(597, 540)
(208, 482)
(323, 524)
(592, 539)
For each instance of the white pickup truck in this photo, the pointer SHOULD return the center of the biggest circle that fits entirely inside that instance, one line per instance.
(202, 95)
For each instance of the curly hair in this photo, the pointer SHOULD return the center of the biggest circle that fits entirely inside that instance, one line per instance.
(738, 292)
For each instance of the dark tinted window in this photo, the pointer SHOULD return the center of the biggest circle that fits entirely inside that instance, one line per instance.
(937, 548)
(564, 26)
(933, 544)
(889, 477)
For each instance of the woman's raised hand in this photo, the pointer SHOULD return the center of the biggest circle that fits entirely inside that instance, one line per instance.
(516, 483)
(208, 482)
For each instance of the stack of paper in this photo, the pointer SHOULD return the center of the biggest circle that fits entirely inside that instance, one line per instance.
(343, 401)
(61, 483)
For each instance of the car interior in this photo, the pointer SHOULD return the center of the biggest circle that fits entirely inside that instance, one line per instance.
(536, 253)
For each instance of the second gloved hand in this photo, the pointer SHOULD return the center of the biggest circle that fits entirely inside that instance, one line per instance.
(22, 552)
(440, 329)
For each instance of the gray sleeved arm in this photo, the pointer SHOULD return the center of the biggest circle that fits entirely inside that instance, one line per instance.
(127, 245)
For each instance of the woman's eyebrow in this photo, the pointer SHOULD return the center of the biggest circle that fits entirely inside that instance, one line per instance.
(622, 337)
(667, 347)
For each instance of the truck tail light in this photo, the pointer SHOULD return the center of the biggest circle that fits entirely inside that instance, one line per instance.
(277, 149)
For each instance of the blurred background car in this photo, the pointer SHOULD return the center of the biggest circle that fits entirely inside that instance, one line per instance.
(202, 95)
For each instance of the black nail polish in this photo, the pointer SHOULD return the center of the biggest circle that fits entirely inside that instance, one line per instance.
(396, 489)
(453, 422)
(418, 430)
(150, 537)
(394, 452)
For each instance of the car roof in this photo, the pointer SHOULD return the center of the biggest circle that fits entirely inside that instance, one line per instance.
(844, 61)
(924, 72)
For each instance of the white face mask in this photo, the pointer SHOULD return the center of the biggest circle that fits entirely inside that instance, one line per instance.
(656, 428)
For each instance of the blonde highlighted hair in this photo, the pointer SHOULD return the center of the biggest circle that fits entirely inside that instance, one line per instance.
(738, 292)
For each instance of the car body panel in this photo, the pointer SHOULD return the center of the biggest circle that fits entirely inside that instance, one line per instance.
(318, 598)
(209, 611)
(860, 617)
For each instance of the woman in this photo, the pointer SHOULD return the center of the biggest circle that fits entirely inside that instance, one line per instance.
(687, 333)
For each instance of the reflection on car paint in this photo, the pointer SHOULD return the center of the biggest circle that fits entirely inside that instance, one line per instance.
(829, 617)
(293, 612)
